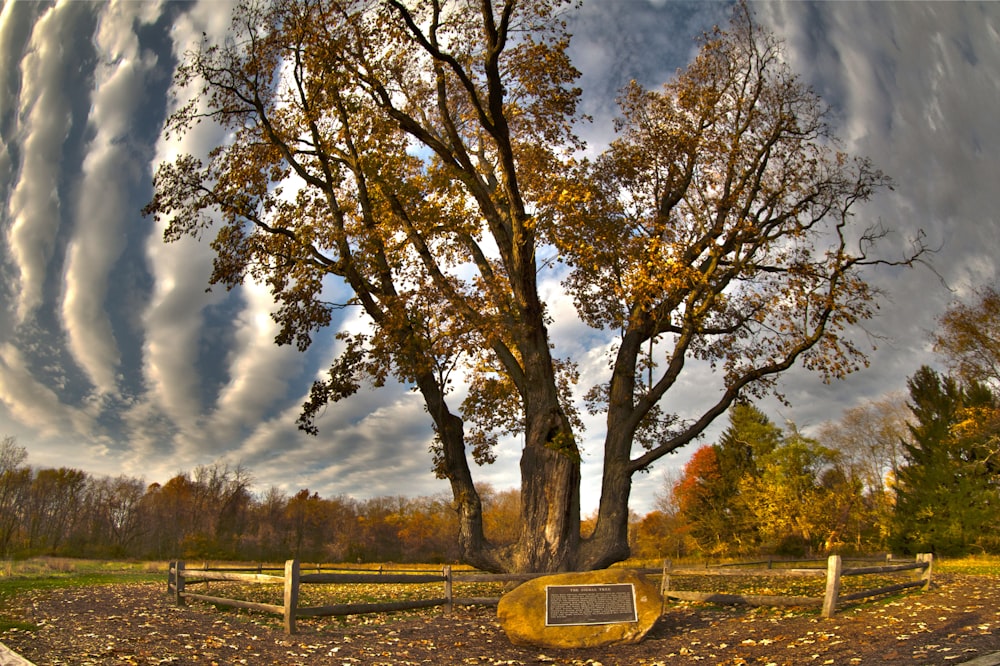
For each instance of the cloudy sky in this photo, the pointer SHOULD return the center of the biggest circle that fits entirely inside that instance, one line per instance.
(115, 359)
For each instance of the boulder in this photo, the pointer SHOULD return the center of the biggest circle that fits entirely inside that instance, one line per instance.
(577, 610)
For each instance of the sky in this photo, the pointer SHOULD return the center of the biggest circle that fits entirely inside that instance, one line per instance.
(115, 359)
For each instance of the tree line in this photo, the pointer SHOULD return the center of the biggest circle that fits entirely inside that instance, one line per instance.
(876, 481)
(214, 513)
(907, 473)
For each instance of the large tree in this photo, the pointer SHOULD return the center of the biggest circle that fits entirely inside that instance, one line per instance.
(424, 154)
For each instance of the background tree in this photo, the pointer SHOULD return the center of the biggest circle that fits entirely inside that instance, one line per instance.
(663, 532)
(15, 482)
(797, 499)
(173, 520)
(710, 492)
(54, 501)
(869, 439)
(968, 337)
(501, 513)
(947, 498)
(224, 495)
(116, 508)
(700, 502)
(717, 228)
(428, 530)
(750, 437)
(304, 516)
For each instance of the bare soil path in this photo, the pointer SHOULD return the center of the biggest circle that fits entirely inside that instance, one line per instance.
(958, 620)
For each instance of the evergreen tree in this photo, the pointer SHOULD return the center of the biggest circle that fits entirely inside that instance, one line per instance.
(709, 494)
(750, 437)
(946, 495)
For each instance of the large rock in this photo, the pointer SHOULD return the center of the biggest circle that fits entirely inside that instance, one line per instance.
(586, 609)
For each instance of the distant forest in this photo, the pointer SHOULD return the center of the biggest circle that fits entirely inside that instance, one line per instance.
(912, 473)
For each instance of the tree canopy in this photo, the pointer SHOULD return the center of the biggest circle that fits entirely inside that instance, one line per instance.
(425, 155)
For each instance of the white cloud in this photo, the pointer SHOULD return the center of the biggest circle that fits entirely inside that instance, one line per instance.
(111, 173)
(259, 370)
(35, 207)
(33, 403)
(173, 321)
(916, 90)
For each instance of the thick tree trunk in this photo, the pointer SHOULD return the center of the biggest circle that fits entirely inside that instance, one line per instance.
(550, 500)
(609, 542)
(549, 535)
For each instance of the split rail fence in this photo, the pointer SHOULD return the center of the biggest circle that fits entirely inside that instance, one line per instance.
(834, 574)
(292, 578)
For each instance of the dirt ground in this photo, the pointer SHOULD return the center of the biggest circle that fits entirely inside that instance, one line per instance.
(954, 622)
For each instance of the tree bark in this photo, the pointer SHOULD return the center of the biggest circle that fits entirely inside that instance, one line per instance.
(550, 498)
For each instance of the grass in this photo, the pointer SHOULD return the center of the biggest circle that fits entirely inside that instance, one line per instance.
(48, 573)
(975, 565)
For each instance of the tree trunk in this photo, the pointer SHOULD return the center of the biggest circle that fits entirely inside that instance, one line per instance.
(549, 535)
(474, 548)
(609, 542)
(550, 499)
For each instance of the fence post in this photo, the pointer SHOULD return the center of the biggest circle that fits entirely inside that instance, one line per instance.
(833, 567)
(291, 594)
(449, 599)
(668, 566)
(925, 575)
(179, 582)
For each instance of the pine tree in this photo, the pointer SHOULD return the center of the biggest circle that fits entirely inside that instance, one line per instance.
(946, 495)
(750, 437)
(709, 494)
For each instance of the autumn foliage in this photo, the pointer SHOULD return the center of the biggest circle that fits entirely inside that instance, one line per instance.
(424, 156)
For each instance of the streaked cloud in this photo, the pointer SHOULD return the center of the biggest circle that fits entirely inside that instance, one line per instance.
(115, 358)
(111, 172)
(45, 121)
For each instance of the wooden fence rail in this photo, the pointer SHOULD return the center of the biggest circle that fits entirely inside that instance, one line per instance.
(292, 578)
(834, 573)
(180, 576)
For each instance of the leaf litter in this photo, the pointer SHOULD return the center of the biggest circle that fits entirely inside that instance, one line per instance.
(956, 621)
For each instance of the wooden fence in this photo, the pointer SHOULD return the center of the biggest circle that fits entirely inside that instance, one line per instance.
(292, 578)
(834, 573)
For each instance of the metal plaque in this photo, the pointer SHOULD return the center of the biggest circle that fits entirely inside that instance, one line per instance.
(589, 604)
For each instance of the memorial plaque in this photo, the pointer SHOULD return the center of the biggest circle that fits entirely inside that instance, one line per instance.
(589, 604)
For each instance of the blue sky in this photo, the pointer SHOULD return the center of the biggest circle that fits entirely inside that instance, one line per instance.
(115, 359)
